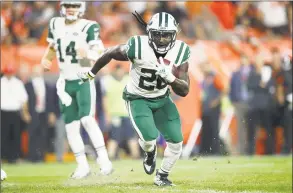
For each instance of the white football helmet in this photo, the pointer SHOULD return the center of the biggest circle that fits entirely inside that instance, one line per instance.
(162, 30)
(80, 7)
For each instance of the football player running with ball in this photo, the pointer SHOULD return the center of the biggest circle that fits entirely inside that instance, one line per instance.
(158, 61)
(75, 40)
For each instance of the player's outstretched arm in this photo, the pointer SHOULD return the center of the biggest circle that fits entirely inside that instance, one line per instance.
(48, 57)
(117, 53)
(181, 84)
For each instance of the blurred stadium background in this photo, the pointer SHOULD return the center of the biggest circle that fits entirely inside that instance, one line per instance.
(224, 37)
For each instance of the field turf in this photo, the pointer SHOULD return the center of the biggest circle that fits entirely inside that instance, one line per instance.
(203, 175)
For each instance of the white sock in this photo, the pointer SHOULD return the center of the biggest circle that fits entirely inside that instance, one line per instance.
(171, 155)
(81, 160)
(76, 143)
(147, 146)
(96, 136)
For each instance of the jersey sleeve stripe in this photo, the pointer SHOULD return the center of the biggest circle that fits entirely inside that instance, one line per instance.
(186, 55)
(136, 47)
(50, 37)
(54, 23)
(182, 54)
(51, 23)
(139, 47)
(179, 53)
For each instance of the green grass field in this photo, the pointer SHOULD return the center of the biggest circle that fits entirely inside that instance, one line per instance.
(204, 175)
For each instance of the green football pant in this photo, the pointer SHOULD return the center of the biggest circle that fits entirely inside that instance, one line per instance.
(83, 100)
(149, 117)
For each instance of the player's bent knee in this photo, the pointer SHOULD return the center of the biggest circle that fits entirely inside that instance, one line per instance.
(175, 148)
(73, 128)
(147, 145)
(87, 121)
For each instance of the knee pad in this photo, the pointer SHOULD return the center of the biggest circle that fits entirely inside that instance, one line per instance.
(147, 145)
(175, 148)
(73, 128)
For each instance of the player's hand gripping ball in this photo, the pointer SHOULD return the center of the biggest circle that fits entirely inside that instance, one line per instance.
(166, 70)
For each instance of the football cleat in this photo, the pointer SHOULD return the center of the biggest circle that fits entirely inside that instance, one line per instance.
(162, 179)
(80, 172)
(149, 162)
(106, 167)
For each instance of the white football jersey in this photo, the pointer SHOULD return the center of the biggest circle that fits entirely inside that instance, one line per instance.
(143, 81)
(67, 39)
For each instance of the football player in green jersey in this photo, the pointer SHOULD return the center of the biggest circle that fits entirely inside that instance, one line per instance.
(76, 42)
(158, 62)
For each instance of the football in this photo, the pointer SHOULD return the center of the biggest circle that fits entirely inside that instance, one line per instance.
(175, 70)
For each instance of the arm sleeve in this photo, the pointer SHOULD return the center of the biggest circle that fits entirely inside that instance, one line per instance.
(186, 55)
(50, 37)
(93, 34)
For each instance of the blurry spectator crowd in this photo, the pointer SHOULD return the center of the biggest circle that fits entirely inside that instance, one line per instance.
(26, 22)
(261, 95)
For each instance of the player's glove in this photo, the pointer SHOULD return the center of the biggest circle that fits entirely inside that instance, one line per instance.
(65, 98)
(165, 72)
(85, 76)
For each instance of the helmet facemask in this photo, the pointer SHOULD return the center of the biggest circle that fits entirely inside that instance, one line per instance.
(78, 9)
(162, 30)
(162, 40)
